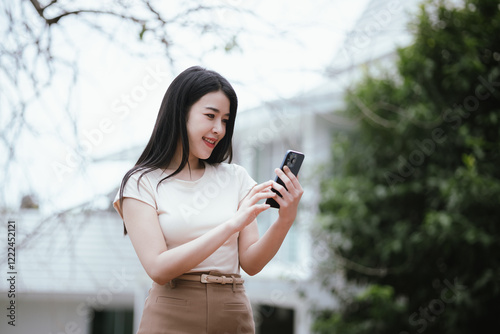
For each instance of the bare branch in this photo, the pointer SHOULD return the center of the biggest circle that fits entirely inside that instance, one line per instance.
(154, 11)
(32, 63)
(346, 263)
(38, 7)
(371, 115)
(401, 111)
(51, 3)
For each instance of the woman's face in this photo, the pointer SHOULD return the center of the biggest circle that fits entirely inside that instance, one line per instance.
(206, 123)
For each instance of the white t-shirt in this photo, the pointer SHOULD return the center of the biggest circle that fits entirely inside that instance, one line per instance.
(188, 209)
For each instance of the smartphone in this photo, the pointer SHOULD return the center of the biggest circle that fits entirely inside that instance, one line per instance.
(293, 160)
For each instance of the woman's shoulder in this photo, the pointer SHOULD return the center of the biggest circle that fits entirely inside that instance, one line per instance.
(230, 168)
(152, 176)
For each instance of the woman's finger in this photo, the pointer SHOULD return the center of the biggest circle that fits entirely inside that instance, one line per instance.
(294, 179)
(281, 201)
(256, 189)
(285, 194)
(284, 178)
(264, 195)
(279, 188)
(259, 187)
(261, 207)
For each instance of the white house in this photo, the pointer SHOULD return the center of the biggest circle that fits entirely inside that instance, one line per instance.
(305, 123)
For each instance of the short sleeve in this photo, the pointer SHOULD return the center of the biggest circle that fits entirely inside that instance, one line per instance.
(142, 190)
(246, 182)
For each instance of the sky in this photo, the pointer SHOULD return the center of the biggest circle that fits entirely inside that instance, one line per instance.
(118, 95)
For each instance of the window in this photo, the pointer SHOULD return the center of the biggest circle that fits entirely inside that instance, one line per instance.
(274, 320)
(118, 321)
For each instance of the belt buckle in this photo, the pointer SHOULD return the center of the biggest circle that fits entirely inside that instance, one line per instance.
(205, 278)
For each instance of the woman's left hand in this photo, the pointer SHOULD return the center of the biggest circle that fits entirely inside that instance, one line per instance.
(291, 195)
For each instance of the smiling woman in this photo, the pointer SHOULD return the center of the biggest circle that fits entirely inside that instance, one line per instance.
(192, 218)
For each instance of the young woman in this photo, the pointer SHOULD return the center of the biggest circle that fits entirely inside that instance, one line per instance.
(192, 218)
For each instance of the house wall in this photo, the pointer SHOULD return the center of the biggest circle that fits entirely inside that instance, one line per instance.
(56, 313)
(66, 266)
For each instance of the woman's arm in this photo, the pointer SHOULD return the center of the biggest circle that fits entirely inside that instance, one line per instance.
(162, 264)
(255, 253)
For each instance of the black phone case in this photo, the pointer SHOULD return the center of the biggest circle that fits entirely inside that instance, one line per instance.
(294, 167)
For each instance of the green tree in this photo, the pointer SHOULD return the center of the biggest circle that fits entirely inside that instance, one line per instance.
(415, 194)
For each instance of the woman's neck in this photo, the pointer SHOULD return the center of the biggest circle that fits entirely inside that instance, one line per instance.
(191, 172)
(194, 165)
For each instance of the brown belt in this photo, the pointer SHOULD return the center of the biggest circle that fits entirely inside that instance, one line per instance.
(206, 278)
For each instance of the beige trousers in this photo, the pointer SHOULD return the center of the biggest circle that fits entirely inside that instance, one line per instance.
(186, 307)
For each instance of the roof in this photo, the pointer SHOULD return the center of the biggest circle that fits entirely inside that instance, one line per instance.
(379, 31)
(381, 28)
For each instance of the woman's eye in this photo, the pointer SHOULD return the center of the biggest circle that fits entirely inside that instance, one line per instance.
(210, 115)
(225, 121)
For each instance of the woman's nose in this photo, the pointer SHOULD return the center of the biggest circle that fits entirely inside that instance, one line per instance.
(218, 127)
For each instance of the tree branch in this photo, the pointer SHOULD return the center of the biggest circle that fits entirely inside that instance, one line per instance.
(346, 263)
(38, 7)
(371, 115)
(50, 21)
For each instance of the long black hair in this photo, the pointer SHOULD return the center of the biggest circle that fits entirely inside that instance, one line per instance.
(170, 127)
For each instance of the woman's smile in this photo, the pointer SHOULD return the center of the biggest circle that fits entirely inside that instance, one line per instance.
(210, 142)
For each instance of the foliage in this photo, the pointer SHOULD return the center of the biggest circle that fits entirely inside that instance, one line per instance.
(417, 186)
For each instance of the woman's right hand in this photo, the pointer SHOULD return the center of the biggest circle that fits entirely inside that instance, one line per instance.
(249, 208)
